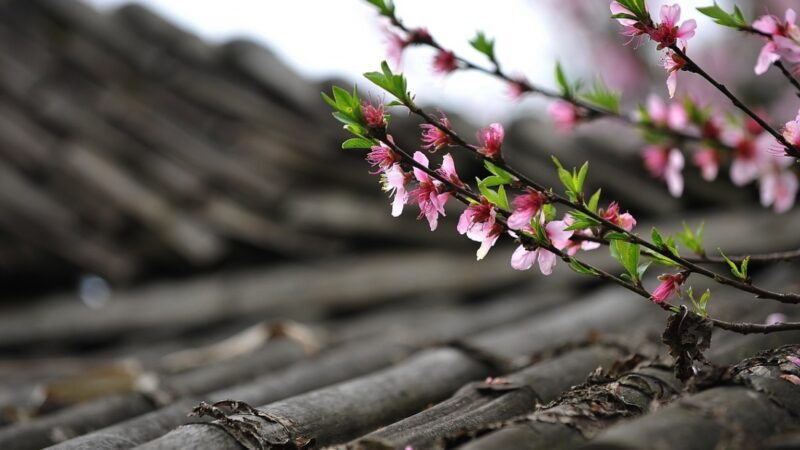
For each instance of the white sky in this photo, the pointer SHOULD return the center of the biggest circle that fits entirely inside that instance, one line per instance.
(322, 38)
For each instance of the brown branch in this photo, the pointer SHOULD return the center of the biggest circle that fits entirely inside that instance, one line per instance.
(633, 238)
(592, 110)
(693, 67)
(463, 195)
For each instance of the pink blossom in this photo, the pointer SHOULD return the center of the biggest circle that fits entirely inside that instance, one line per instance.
(394, 181)
(750, 156)
(476, 219)
(791, 131)
(667, 164)
(774, 318)
(382, 157)
(624, 221)
(668, 32)
(395, 45)
(523, 259)
(433, 138)
(669, 285)
(778, 189)
(579, 244)
(448, 171)
(673, 116)
(374, 116)
(794, 360)
(783, 40)
(525, 207)
(565, 115)
(479, 223)
(517, 87)
(707, 159)
(491, 140)
(630, 27)
(673, 64)
(444, 62)
(428, 193)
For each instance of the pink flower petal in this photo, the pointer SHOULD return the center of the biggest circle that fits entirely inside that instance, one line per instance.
(547, 261)
(522, 258)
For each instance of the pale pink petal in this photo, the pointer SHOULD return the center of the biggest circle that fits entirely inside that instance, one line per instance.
(790, 16)
(547, 261)
(656, 109)
(626, 221)
(464, 221)
(743, 171)
(523, 259)
(448, 166)
(672, 83)
(678, 117)
(670, 14)
(487, 244)
(557, 234)
(767, 24)
(767, 56)
(786, 192)
(673, 175)
(419, 174)
(520, 219)
(686, 31)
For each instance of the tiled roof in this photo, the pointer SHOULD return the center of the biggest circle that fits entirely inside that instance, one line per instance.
(134, 150)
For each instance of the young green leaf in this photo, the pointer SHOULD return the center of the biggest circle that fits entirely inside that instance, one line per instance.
(656, 237)
(578, 181)
(499, 172)
(692, 240)
(739, 272)
(628, 256)
(600, 95)
(563, 83)
(721, 17)
(384, 8)
(581, 268)
(594, 201)
(483, 44)
(357, 143)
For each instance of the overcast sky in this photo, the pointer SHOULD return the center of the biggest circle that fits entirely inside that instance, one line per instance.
(322, 38)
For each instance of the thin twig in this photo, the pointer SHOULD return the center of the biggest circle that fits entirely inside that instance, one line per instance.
(692, 66)
(706, 259)
(590, 109)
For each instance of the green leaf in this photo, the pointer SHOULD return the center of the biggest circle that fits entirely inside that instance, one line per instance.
(594, 201)
(392, 83)
(628, 255)
(549, 212)
(722, 17)
(502, 199)
(498, 172)
(660, 259)
(484, 45)
(743, 267)
(581, 268)
(691, 240)
(357, 143)
(600, 95)
(615, 236)
(561, 80)
(739, 272)
(384, 8)
(578, 181)
(643, 268)
(656, 236)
